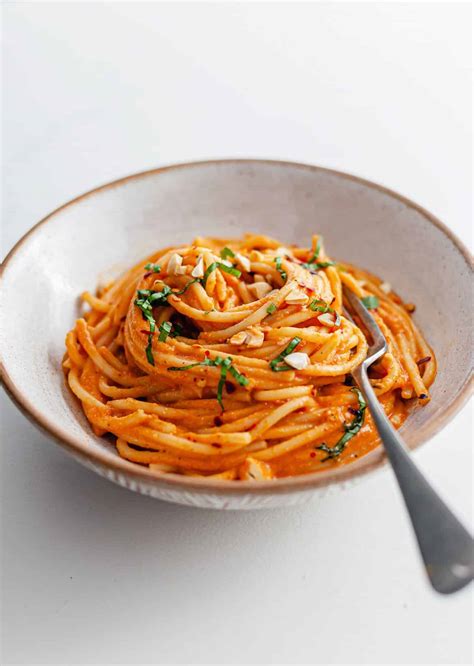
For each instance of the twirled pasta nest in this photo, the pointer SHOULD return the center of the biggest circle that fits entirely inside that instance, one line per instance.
(233, 359)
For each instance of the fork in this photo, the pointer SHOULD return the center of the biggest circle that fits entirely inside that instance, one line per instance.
(446, 546)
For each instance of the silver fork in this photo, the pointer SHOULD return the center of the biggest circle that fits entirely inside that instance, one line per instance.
(445, 544)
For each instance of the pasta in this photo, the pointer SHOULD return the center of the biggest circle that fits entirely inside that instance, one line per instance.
(232, 359)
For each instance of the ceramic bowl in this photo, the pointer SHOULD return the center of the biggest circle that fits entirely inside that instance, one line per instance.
(119, 223)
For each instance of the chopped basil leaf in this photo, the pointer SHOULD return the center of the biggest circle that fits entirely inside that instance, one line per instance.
(154, 268)
(320, 306)
(318, 265)
(226, 252)
(351, 429)
(282, 272)
(230, 269)
(217, 264)
(186, 287)
(147, 311)
(178, 368)
(165, 330)
(176, 330)
(148, 299)
(225, 365)
(288, 349)
(243, 381)
(209, 269)
(370, 302)
(271, 308)
(283, 367)
(149, 350)
(316, 252)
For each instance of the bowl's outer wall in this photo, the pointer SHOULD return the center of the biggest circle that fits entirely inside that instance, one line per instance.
(109, 229)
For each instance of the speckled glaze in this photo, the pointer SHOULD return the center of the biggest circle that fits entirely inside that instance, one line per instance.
(117, 224)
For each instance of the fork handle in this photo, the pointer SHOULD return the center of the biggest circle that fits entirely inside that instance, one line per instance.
(446, 546)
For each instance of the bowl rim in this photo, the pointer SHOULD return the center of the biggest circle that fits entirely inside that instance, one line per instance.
(139, 473)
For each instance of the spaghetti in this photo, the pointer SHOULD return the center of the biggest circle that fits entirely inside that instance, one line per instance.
(232, 359)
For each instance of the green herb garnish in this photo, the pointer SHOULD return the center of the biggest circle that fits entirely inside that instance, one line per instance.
(226, 252)
(230, 269)
(282, 272)
(318, 265)
(149, 350)
(178, 368)
(320, 306)
(313, 264)
(274, 365)
(148, 298)
(316, 252)
(370, 302)
(351, 429)
(223, 267)
(225, 365)
(186, 287)
(238, 376)
(271, 308)
(165, 330)
(146, 301)
(176, 330)
(154, 268)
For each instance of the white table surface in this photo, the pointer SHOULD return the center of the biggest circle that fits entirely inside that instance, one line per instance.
(95, 574)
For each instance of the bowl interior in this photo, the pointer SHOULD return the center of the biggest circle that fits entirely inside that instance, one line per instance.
(109, 228)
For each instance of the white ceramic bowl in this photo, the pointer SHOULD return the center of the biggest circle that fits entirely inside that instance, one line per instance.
(117, 224)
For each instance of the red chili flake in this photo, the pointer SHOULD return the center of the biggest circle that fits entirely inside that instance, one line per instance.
(148, 274)
(229, 387)
(218, 421)
(207, 353)
(144, 331)
(312, 454)
(217, 446)
(423, 360)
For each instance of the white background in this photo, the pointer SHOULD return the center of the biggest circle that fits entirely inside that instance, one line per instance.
(95, 574)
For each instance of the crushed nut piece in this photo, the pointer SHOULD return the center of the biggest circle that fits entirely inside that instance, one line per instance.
(198, 270)
(259, 289)
(238, 339)
(175, 266)
(298, 360)
(251, 337)
(242, 262)
(327, 319)
(297, 297)
(255, 337)
(255, 470)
